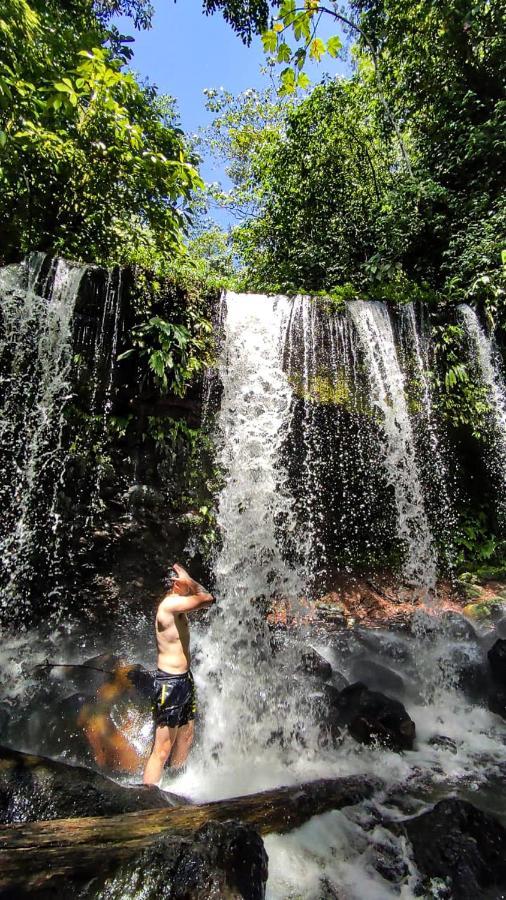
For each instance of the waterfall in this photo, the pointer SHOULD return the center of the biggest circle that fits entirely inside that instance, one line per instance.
(388, 395)
(53, 354)
(35, 359)
(343, 513)
(487, 363)
(432, 452)
(245, 693)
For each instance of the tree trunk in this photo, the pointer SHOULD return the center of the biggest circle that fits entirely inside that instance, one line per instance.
(38, 855)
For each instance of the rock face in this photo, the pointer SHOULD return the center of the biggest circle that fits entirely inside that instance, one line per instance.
(376, 675)
(315, 664)
(226, 859)
(458, 627)
(497, 701)
(370, 716)
(467, 669)
(33, 788)
(497, 660)
(461, 844)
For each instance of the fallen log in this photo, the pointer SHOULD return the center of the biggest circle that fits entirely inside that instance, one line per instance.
(38, 855)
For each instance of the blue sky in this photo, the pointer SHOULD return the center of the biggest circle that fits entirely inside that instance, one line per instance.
(185, 52)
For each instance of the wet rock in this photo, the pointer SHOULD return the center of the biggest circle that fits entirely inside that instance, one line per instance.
(34, 787)
(466, 670)
(338, 681)
(233, 849)
(375, 675)
(370, 716)
(315, 664)
(497, 660)
(5, 715)
(457, 627)
(497, 701)
(392, 646)
(459, 843)
(223, 860)
(445, 743)
(500, 628)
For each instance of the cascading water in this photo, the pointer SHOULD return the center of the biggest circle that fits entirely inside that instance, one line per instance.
(320, 451)
(388, 394)
(49, 341)
(343, 512)
(36, 359)
(486, 361)
(258, 726)
(439, 488)
(245, 693)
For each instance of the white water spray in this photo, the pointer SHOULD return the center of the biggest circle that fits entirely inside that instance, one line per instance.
(388, 395)
(486, 359)
(246, 696)
(36, 358)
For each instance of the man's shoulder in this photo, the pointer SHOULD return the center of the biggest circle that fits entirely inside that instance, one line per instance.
(164, 611)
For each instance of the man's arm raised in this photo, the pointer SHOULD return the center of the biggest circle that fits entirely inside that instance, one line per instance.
(177, 604)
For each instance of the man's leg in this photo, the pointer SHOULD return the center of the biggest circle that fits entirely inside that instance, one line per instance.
(182, 744)
(164, 741)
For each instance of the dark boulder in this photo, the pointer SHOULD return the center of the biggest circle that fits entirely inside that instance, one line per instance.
(497, 660)
(33, 787)
(223, 860)
(230, 859)
(460, 844)
(392, 646)
(315, 664)
(497, 701)
(457, 627)
(500, 628)
(444, 742)
(466, 669)
(370, 716)
(375, 675)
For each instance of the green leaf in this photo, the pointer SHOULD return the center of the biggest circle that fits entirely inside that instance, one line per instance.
(316, 49)
(334, 45)
(157, 363)
(299, 58)
(126, 354)
(303, 81)
(3, 138)
(284, 53)
(270, 41)
(288, 81)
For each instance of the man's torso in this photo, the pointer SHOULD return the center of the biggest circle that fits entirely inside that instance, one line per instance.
(173, 642)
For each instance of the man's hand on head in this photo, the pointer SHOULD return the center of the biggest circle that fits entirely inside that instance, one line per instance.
(183, 584)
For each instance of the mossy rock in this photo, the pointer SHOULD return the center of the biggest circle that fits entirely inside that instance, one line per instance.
(472, 592)
(487, 609)
(468, 578)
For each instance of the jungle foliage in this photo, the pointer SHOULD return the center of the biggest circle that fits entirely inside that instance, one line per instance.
(92, 162)
(394, 175)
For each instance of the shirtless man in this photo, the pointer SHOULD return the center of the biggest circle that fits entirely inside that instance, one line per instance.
(174, 687)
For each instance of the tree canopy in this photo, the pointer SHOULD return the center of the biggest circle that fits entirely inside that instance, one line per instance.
(92, 162)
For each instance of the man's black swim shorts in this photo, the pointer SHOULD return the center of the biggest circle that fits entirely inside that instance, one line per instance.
(175, 700)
